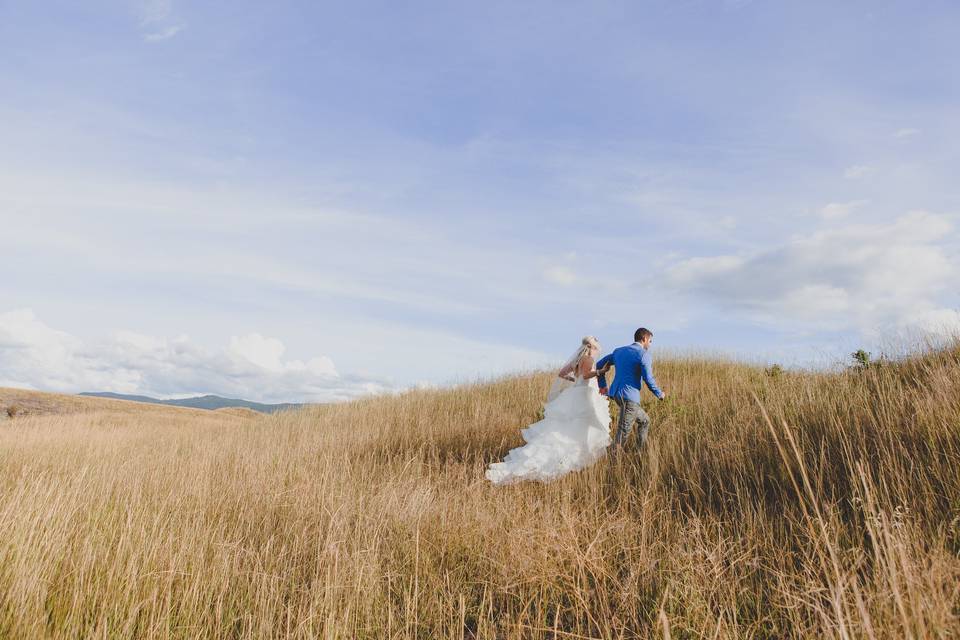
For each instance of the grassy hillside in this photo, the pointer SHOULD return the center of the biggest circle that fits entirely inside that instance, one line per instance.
(766, 506)
(21, 403)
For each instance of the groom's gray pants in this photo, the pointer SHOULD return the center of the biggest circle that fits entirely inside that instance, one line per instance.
(630, 413)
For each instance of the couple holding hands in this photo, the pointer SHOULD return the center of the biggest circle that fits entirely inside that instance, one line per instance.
(575, 430)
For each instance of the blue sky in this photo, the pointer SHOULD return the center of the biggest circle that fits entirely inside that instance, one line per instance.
(296, 200)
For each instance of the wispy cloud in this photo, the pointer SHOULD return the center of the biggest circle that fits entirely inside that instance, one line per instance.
(728, 222)
(158, 21)
(841, 209)
(164, 34)
(574, 270)
(562, 275)
(153, 11)
(906, 133)
(859, 171)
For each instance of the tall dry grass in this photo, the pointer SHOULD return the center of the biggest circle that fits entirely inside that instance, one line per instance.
(796, 505)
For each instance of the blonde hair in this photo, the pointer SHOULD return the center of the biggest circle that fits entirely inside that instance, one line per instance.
(588, 342)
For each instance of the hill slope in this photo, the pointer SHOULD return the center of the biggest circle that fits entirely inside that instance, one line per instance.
(200, 402)
(765, 506)
(24, 403)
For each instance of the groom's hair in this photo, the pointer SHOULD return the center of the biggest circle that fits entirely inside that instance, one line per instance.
(641, 334)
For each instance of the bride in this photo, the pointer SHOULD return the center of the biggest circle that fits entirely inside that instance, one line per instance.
(574, 432)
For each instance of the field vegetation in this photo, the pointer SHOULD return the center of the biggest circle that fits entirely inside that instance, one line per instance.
(769, 503)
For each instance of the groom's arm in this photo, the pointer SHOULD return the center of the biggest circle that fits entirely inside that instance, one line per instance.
(646, 373)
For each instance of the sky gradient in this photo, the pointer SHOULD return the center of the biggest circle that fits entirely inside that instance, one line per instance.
(296, 201)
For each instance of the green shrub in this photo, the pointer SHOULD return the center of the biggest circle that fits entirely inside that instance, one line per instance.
(861, 359)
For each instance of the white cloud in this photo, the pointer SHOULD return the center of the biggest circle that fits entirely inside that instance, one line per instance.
(693, 269)
(34, 355)
(859, 171)
(841, 209)
(562, 275)
(154, 10)
(157, 19)
(906, 133)
(572, 270)
(265, 352)
(163, 34)
(936, 322)
(855, 277)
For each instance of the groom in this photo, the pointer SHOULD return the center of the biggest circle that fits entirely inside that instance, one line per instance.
(634, 367)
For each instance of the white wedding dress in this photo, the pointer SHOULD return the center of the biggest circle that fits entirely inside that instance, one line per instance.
(573, 434)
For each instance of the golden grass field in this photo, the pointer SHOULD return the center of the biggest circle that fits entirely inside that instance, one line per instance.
(765, 506)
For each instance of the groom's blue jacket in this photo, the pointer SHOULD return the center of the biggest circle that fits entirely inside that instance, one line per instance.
(634, 367)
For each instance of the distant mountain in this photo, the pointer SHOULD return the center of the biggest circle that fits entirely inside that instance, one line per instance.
(200, 402)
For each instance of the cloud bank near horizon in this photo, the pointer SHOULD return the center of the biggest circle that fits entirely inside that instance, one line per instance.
(866, 277)
(36, 356)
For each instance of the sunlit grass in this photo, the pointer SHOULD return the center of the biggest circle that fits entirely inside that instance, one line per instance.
(766, 506)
